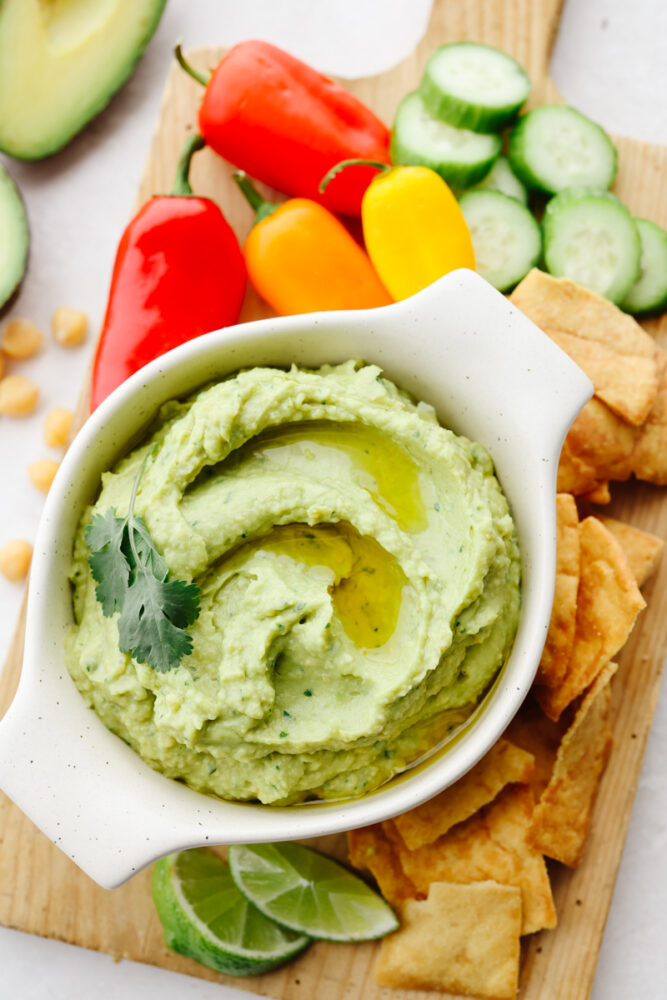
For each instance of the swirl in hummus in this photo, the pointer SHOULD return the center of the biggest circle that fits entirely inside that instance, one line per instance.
(359, 575)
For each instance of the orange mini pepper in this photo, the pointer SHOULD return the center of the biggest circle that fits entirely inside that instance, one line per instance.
(301, 258)
(414, 229)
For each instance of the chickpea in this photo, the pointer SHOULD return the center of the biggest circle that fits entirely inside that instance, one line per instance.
(69, 326)
(42, 473)
(21, 339)
(18, 396)
(15, 559)
(57, 426)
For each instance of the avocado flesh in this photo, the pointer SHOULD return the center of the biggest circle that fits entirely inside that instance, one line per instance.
(61, 62)
(14, 237)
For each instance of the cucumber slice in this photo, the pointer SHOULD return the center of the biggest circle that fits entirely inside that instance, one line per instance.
(555, 147)
(505, 236)
(460, 156)
(474, 86)
(649, 292)
(14, 238)
(590, 237)
(502, 178)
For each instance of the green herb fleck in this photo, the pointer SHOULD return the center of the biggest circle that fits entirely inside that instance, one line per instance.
(283, 734)
(308, 693)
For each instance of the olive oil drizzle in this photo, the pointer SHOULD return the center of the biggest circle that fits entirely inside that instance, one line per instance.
(380, 466)
(368, 581)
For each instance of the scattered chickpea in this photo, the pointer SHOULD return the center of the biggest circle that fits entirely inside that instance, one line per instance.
(42, 473)
(2, 365)
(18, 396)
(21, 339)
(57, 426)
(15, 559)
(69, 326)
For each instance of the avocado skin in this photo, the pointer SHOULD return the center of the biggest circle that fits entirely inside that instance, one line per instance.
(38, 150)
(11, 196)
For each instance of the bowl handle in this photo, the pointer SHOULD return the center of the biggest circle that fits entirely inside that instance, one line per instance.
(111, 829)
(515, 370)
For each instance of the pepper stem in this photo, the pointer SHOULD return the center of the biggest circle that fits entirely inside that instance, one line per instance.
(261, 206)
(182, 184)
(330, 174)
(189, 69)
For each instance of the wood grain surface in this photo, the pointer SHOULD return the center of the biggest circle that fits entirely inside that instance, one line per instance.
(41, 891)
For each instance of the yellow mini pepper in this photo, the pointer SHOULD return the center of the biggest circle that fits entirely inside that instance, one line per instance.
(301, 258)
(413, 227)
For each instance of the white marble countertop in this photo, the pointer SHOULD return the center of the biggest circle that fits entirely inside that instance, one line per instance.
(609, 61)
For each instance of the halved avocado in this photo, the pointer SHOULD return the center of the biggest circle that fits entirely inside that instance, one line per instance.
(14, 238)
(61, 62)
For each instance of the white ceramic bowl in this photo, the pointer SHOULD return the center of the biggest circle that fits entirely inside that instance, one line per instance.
(489, 372)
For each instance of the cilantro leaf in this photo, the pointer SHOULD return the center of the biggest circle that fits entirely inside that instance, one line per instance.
(145, 549)
(133, 578)
(180, 602)
(105, 536)
(151, 623)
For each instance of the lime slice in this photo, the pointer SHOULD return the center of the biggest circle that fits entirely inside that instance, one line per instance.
(205, 917)
(310, 893)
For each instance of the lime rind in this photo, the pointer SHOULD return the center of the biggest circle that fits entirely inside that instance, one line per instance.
(310, 893)
(206, 918)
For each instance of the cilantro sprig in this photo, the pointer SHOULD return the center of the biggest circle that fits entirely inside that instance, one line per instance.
(133, 579)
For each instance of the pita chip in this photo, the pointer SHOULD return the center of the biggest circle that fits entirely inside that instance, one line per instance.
(463, 939)
(642, 549)
(627, 383)
(560, 637)
(562, 818)
(532, 730)
(561, 304)
(603, 441)
(649, 457)
(370, 849)
(599, 494)
(492, 844)
(502, 765)
(608, 602)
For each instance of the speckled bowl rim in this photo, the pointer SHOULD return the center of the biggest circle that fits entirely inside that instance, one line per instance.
(491, 374)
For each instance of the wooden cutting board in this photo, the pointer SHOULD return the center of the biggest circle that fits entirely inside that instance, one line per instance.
(41, 891)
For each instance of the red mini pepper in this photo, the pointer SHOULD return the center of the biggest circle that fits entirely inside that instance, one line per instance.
(284, 123)
(179, 272)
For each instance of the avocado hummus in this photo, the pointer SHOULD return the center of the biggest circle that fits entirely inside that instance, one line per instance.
(359, 575)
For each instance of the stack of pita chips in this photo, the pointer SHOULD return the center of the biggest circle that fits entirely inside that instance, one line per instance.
(466, 871)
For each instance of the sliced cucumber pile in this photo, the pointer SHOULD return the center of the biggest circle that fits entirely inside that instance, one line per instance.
(469, 92)
(502, 178)
(474, 86)
(556, 147)
(590, 237)
(14, 237)
(460, 156)
(649, 292)
(505, 236)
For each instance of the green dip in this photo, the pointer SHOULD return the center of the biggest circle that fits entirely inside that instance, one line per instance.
(360, 585)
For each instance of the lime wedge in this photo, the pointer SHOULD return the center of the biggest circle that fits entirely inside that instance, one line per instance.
(205, 917)
(309, 893)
